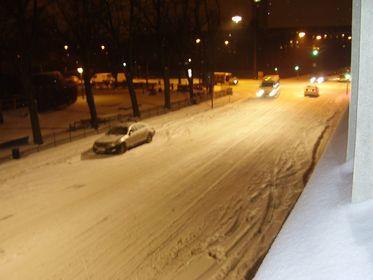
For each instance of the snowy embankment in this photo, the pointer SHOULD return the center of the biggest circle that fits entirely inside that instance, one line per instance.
(325, 236)
(204, 200)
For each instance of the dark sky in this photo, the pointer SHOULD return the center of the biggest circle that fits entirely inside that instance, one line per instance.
(296, 13)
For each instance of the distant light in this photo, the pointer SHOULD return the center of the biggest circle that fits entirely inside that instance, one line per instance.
(236, 19)
(318, 37)
(66, 47)
(313, 80)
(320, 80)
(276, 69)
(124, 64)
(315, 52)
(102, 47)
(257, 1)
(189, 60)
(198, 40)
(80, 70)
(226, 42)
(190, 73)
(325, 36)
(349, 37)
(348, 76)
(296, 68)
(302, 34)
(343, 35)
(291, 41)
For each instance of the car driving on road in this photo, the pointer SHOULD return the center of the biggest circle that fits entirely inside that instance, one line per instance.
(270, 86)
(312, 91)
(122, 137)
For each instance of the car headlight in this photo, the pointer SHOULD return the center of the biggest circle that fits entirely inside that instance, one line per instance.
(260, 93)
(313, 79)
(320, 80)
(273, 92)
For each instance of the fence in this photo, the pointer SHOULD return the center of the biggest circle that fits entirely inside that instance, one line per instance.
(81, 129)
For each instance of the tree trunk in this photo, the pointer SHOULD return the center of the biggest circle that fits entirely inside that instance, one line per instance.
(32, 105)
(131, 89)
(167, 96)
(90, 98)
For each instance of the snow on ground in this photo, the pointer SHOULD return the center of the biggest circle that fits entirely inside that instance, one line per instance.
(204, 200)
(325, 236)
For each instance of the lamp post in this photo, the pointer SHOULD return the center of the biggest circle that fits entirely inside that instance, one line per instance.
(297, 68)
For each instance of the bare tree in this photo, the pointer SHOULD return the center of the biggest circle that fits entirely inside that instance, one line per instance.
(79, 22)
(24, 20)
(120, 22)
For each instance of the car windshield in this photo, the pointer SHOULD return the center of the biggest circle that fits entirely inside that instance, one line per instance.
(267, 84)
(118, 130)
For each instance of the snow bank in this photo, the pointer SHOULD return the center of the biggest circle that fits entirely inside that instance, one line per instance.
(325, 237)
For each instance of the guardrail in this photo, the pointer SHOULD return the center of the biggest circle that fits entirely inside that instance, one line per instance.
(81, 129)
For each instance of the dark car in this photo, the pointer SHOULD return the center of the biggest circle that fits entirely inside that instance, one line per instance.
(52, 90)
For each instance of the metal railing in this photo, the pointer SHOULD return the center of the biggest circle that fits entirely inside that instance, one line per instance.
(81, 129)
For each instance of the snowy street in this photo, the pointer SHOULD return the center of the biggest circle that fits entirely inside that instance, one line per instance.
(204, 200)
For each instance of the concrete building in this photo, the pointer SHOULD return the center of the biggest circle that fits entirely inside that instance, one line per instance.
(360, 138)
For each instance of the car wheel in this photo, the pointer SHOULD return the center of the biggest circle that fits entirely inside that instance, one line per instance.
(149, 138)
(123, 148)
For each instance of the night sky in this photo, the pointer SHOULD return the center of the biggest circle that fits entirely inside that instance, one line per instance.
(296, 13)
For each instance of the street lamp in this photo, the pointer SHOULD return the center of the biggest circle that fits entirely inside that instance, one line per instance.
(124, 64)
(237, 19)
(302, 34)
(315, 52)
(80, 70)
(102, 47)
(297, 68)
(198, 40)
(226, 42)
(66, 47)
(276, 69)
(318, 37)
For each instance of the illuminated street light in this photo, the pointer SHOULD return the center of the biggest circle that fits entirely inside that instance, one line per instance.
(237, 19)
(318, 37)
(276, 69)
(66, 47)
(315, 52)
(226, 42)
(296, 68)
(302, 34)
(349, 37)
(190, 73)
(102, 47)
(124, 64)
(325, 36)
(189, 60)
(80, 70)
(198, 40)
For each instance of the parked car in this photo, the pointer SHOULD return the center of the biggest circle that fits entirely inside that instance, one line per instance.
(312, 91)
(122, 137)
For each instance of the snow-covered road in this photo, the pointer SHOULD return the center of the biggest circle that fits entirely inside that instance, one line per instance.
(204, 200)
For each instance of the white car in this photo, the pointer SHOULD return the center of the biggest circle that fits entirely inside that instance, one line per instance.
(122, 137)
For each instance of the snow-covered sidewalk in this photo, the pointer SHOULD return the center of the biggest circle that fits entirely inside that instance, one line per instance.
(325, 236)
